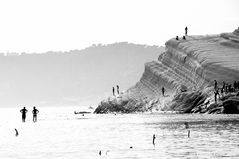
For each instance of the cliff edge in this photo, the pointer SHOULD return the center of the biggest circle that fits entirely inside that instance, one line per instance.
(187, 70)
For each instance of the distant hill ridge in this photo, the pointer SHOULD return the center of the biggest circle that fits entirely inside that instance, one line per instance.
(76, 77)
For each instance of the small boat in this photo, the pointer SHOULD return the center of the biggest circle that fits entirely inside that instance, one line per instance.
(81, 112)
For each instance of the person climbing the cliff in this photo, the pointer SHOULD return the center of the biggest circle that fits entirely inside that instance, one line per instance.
(113, 89)
(215, 84)
(35, 112)
(163, 91)
(216, 93)
(117, 89)
(186, 31)
(24, 112)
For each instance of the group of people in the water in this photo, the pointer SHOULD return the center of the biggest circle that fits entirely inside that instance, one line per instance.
(226, 88)
(113, 90)
(186, 34)
(24, 114)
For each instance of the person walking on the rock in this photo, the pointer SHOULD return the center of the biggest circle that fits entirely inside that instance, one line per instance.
(163, 91)
(117, 89)
(186, 31)
(113, 89)
(24, 113)
(223, 85)
(35, 112)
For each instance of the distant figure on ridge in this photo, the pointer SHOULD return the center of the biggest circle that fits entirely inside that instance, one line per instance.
(163, 91)
(184, 38)
(117, 89)
(35, 112)
(176, 37)
(113, 89)
(186, 31)
(24, 112)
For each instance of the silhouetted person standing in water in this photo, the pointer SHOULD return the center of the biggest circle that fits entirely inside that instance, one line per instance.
(117, 89)
(154, 139)
(24, 112)
(186, 31)
(35, 112)
(113, 89)
(16, 132)
(163, 91)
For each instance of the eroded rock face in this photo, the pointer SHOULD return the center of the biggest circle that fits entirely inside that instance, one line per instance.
(187, 70)
(120, 104)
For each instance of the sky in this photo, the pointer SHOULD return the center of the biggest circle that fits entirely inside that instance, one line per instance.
(62, 25)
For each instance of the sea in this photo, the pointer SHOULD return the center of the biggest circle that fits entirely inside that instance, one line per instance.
(61, 134)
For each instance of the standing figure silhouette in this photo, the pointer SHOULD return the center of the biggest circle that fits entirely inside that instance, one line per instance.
(113, 89)
(163, 91)
(24, 112)
(186, 31)
(117, 89)
(35, 112)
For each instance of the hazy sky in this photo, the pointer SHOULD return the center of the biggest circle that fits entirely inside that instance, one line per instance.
(43, 25)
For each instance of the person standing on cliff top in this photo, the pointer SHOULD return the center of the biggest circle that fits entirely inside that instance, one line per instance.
(163, 91)
(113, 89)
(117, 89)
(186, 31)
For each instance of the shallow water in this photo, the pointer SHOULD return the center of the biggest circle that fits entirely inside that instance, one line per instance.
(59, 133)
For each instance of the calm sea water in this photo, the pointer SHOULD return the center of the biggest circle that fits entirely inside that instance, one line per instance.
(59, 133)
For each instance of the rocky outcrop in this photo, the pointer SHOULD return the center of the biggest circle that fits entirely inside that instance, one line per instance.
(187, 70)
(120, 104)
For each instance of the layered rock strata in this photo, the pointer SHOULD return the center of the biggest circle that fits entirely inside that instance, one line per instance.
(189, 65)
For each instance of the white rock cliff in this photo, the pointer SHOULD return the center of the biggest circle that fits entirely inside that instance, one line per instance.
(188, 65)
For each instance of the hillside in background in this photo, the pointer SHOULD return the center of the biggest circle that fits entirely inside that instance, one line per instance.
(77, 77)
